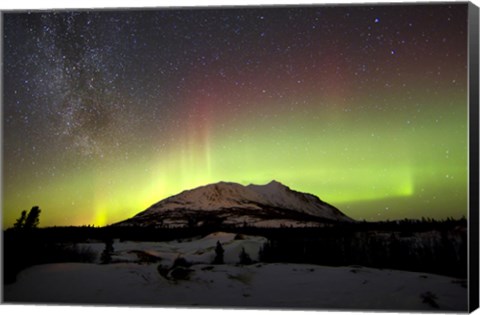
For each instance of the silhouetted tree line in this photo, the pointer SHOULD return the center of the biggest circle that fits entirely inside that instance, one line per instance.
(439, 247)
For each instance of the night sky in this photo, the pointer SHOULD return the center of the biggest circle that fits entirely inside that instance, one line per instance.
(108, 112)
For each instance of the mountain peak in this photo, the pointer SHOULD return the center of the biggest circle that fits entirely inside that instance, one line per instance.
(233, 203)
(272, 188)
(275, 183)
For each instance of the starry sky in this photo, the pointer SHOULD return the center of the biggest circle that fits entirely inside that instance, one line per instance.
(108, 112)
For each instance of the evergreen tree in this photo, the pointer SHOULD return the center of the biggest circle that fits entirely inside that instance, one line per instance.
(218, 254)
(245, 258)
(33, 218)
(20, 221)
(106, 256)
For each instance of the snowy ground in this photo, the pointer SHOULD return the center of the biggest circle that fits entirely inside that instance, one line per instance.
(129, 282)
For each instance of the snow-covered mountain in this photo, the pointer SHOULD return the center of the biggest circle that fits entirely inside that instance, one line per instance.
(273, 204)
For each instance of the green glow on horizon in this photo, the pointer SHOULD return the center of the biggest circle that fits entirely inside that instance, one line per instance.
(348, 164)
(352, 162)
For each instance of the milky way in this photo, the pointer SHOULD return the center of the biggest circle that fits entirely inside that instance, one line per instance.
(107, 112)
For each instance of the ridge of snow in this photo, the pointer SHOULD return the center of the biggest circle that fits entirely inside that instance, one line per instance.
(228, 195)
(214, 196)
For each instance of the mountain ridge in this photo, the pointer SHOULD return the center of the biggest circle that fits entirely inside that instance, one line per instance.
(229, 203)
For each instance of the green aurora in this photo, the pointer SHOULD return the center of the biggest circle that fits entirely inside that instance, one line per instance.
(380, 134)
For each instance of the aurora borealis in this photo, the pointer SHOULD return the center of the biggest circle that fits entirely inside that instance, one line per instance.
(108, 112)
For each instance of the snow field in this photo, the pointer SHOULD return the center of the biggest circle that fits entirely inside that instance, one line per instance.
(129, 281)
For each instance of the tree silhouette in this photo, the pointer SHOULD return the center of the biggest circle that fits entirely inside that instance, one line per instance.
(106, 256)
(32, 219)
(219, 254)
(245, 258)
(20, 221)
(22, 245)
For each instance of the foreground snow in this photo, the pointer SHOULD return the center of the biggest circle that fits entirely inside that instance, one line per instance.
(136, 278)
(259, 285)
